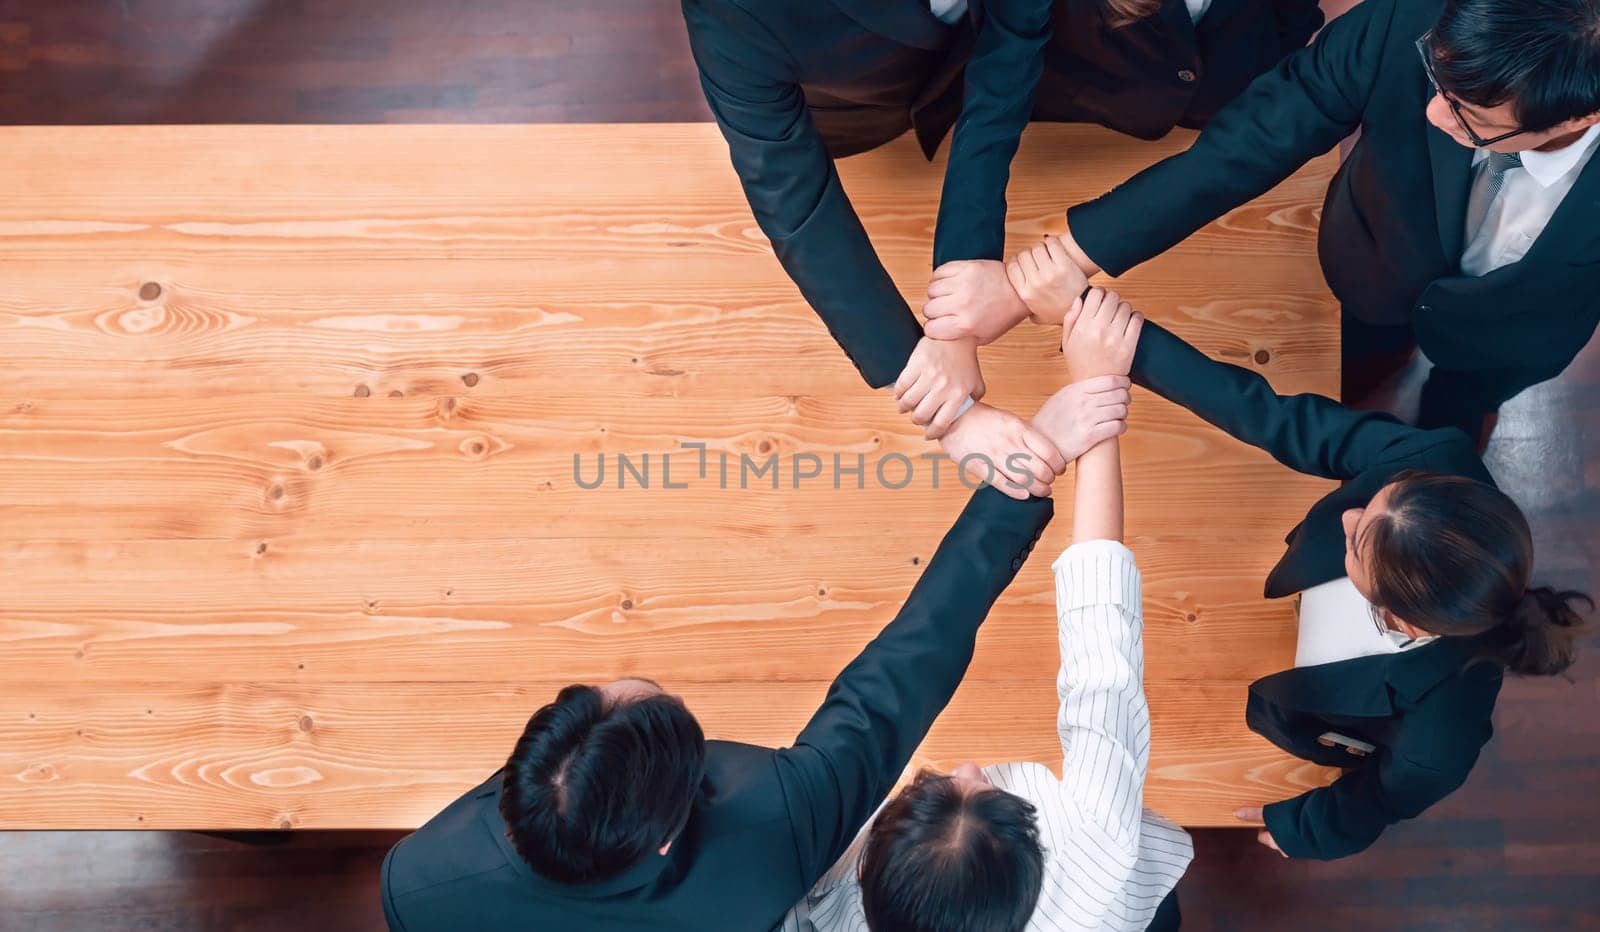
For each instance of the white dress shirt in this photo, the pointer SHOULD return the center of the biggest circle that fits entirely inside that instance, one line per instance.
(1528, 198)
(949, 11)
(1108, 861)
(1338, 623)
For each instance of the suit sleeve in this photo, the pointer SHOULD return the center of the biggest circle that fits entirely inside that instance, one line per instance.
(391, 916)
(1297, 21)
(1438, 744)
(1007, 59)
(881, 706)
(1302, 108)
(1348, 815)
(794, 190)
(1309, 433)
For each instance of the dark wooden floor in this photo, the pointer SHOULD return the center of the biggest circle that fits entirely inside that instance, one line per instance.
(1516, 849)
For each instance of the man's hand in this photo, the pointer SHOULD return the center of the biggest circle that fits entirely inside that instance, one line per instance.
(999, 448)
(1047, 280)
(936, 382)
(971, 299)
(1100, 335)
(1252, 815)
(1081, 415)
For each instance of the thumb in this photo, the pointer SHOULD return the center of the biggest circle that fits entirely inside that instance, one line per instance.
(1248, 814)
(945, 328)
(1070, 320)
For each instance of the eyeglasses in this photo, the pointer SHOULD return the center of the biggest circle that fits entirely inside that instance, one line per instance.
(1378, 620)
(1426, 51)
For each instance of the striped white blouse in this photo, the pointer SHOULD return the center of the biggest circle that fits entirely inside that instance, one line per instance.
(1108, 861)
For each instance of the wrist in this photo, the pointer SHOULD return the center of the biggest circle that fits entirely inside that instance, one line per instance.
(1075, 252)
(1048, 315)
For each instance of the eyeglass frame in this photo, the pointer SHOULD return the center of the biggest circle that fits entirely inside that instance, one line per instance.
(1426, 52)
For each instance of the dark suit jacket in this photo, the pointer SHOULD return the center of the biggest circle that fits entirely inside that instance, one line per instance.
(794, 85)
(1165, 70)
(1393, 222)
(768, 822)
(1427, 709)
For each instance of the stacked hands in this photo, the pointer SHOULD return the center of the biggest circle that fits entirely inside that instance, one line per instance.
(972, 303)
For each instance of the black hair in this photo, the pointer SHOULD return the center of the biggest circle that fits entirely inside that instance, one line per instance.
(941, 859)
(1542, 56)
(594, 787)
(1453, 556)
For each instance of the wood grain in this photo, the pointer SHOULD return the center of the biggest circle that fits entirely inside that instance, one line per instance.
(198, 754)
(287, 426)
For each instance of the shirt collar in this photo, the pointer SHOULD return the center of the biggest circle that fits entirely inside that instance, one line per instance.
(1404, 641)
(1549, 167)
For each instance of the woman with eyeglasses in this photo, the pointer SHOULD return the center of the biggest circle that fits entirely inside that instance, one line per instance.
(1415, 592)
(1415, 585)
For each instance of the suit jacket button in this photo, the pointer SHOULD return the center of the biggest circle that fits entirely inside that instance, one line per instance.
(1424, 309)
(1016, 564)
(1186, 76)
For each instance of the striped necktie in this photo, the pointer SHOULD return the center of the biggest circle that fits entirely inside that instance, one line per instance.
(1491, 177)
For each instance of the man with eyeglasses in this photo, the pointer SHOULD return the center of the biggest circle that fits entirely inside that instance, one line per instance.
(1465, 220)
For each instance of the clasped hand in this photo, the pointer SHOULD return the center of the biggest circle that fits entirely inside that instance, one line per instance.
(1099, 335)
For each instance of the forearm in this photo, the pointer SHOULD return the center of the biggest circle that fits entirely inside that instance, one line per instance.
(1097, 494)
(1103, 719)
(794, 190)
(1081, 258)
(1308, 433)
(1331, 822)
(1302, 108)
(880, 707)
(1007, 60)
(832, 262)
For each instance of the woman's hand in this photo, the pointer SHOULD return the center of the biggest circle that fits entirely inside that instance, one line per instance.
(936, 382)
(1100, 335)
(1047, 280)
(1078, 417)
(971, 299)
(997, 447)
(1252, 814)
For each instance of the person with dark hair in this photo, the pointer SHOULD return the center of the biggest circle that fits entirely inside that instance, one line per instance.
(1011, 848)
(794, 86)
(614, 812)
(1462, 221)
(1416, 576)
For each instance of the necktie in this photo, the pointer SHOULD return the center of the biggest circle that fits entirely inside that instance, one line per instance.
(1491, 177)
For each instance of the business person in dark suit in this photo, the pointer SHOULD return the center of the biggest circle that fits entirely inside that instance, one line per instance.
(614, 812)
(795, 85)
(1444, 559)
(1418, 567)
(1464, 218)
(1009, 848)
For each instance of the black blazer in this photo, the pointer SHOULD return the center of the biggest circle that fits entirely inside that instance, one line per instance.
(795, 85)
(1428, 709)
(1166, 70)
(1393, 222)
(768, 822)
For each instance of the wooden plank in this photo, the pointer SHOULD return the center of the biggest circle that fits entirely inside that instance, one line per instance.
(287, 427)
(77, 328)
(151, 754)
(382, 611)
(464, 467)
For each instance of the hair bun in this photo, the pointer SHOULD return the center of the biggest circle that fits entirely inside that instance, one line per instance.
(1545, 629)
